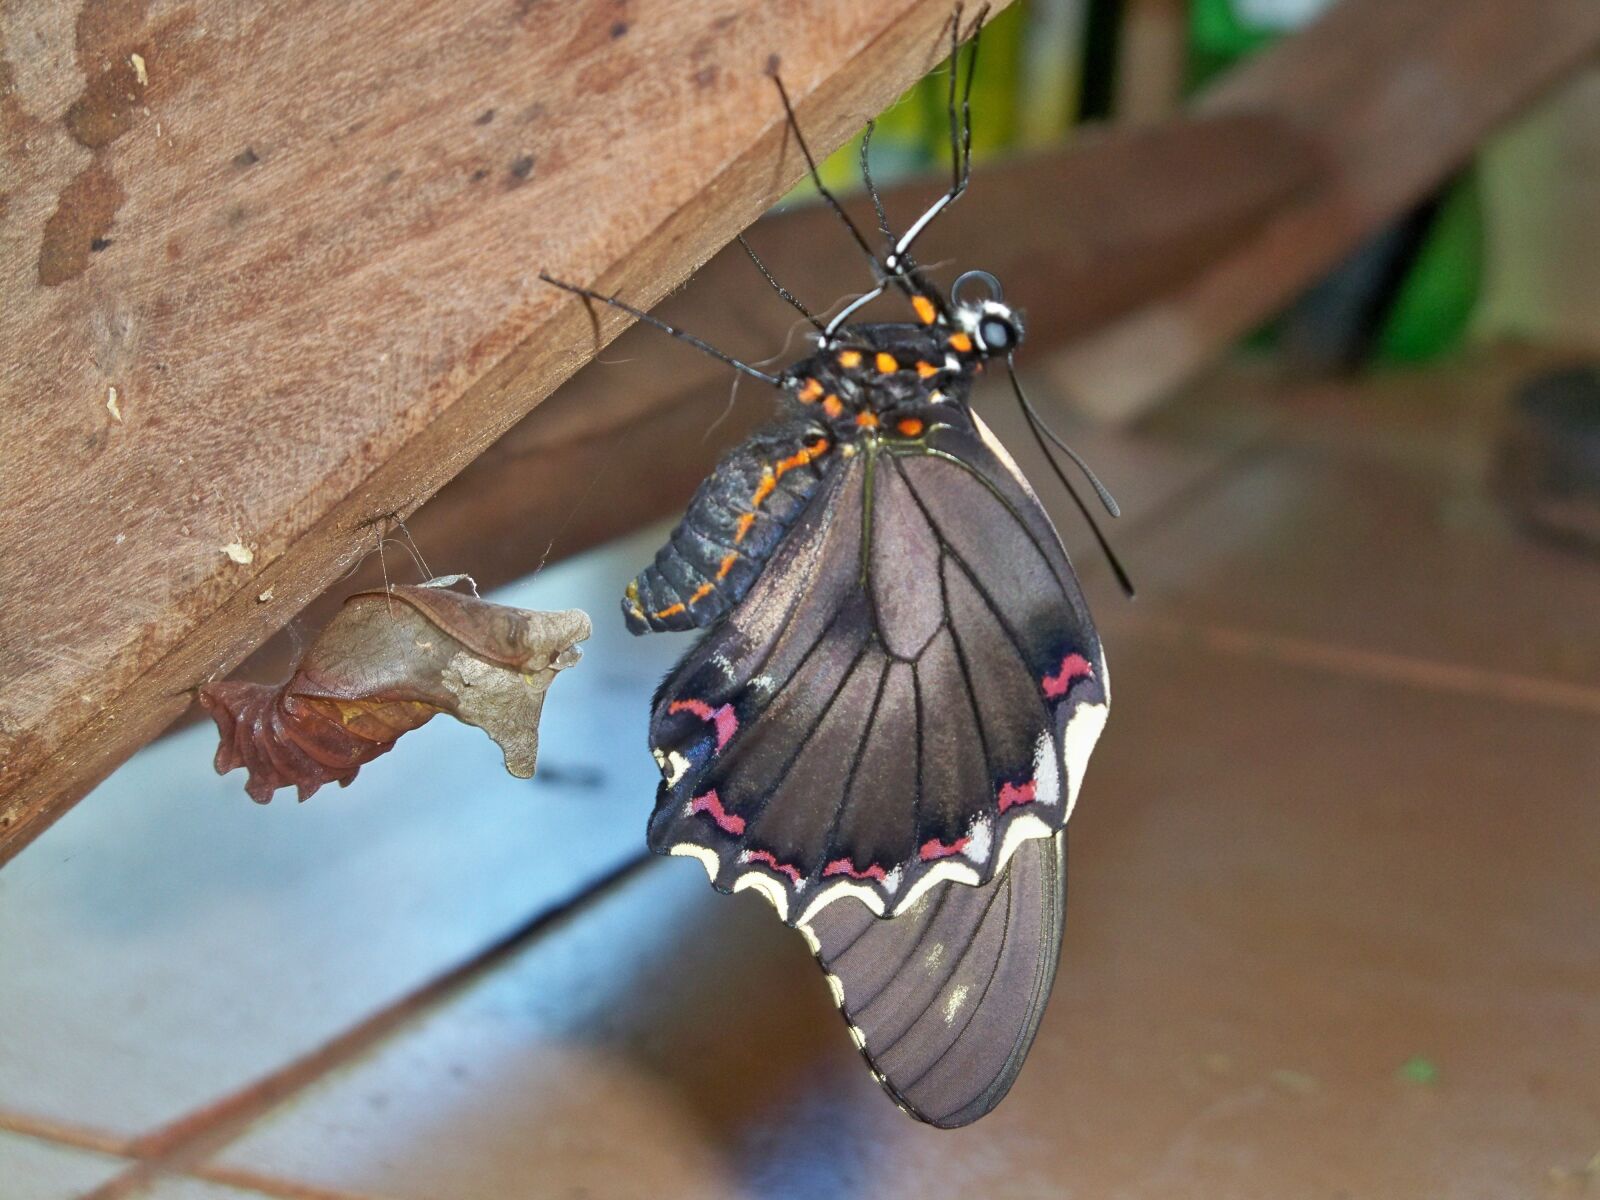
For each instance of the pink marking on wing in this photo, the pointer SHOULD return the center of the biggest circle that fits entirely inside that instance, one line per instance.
(771, 860)
(1011, 794)
(712, 803)
(1073, 666)
(727, 724)
(933, 848)
(843, 866)
(724, 718)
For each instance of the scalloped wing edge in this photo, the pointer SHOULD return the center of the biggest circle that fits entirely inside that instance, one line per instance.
(1077, 741)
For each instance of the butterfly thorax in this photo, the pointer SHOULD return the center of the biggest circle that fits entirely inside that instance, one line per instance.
(874, 387)
(884, 380)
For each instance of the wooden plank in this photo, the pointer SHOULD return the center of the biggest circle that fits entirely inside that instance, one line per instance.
(301, 244)
(588, 464)
(1395, 97)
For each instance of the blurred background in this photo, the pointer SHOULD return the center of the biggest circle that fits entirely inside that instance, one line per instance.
(1316, 289)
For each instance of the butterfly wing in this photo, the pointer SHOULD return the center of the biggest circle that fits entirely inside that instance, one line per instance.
(944, 1000)
(907, 693)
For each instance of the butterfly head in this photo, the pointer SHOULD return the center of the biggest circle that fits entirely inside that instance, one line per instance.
(993, 325)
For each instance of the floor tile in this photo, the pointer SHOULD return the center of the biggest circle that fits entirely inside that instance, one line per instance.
(169, 941)
(180, 1188)
(1147, 472)
(1358, 554)
(1357, 515)
(596, 1064)
(1444, 417)
(33, 1169)
(1287, 886)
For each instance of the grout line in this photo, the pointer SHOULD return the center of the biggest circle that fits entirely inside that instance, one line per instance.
(267, 1185)
(78, 1136)
(1231, 462)
(1140, 527)
(183, 1143)
(1310, 653)
(1428, 674)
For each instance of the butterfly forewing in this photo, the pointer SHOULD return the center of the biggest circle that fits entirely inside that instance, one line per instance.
(893, 702)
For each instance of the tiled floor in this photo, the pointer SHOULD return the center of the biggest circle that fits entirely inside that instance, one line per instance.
(1331, 934)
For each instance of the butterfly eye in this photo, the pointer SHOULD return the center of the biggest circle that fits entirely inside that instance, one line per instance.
(997, 335)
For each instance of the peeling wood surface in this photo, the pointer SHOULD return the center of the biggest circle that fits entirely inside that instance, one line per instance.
(1395, 97)
(301, 242)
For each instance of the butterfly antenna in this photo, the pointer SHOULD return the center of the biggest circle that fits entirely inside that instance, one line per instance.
(782, 291)
(703, 346)
(1041, 431)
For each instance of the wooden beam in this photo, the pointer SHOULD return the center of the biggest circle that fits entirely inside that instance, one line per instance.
(1394, 97)
(271, 279)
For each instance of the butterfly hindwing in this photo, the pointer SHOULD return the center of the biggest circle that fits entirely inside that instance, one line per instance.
(944, 1000)
(905, 695)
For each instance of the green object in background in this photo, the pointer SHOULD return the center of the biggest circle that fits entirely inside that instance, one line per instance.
(1431, 308)
(1418, 1070)
(1219, 35)
(994, 88)
(1024, 92)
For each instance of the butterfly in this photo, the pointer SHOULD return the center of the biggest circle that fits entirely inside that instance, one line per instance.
(885, 726)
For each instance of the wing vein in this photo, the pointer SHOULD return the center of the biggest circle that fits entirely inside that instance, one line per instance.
(977, 586)
(855, 765)
(994, 970)
(955, 963)
(821, 720)
(745, 728)
(911, 950)
(1000, 498)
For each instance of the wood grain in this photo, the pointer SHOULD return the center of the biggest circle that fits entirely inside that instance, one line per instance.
(301, 242)
(1394, 97)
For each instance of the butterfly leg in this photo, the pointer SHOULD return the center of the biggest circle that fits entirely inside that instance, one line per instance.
(960, 139)
(639, 314)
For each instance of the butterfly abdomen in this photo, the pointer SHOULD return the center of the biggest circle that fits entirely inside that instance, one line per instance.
(735, 521)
